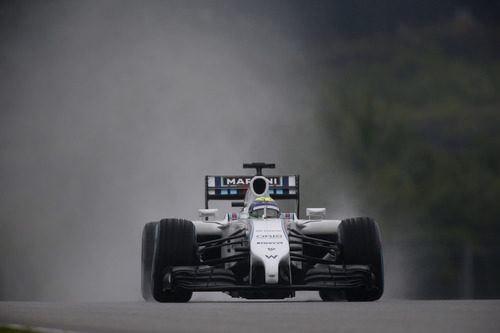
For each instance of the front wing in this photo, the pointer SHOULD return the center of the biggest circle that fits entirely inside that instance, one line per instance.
(206, 278)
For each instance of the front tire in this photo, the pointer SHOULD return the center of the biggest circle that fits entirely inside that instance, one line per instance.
(359, 240)
(175, 245)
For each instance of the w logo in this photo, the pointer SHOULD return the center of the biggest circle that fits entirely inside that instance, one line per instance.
(271, 256)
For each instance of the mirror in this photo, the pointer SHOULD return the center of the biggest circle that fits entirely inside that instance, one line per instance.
(315, 212)
(205, 214)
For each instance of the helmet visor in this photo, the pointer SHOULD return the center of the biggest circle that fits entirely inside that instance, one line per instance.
(258, 213)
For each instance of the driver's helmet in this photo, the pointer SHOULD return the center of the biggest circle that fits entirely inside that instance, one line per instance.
(264, 207)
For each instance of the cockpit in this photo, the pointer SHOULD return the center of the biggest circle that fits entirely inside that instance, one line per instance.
(264, 208)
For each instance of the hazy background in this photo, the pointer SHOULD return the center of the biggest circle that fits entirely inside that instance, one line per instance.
(113, 111)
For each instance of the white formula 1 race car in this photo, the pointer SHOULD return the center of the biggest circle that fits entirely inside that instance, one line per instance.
(261, 252)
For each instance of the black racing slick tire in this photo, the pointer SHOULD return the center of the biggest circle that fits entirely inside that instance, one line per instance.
(175, 245)
(148, 242)
(359, 240)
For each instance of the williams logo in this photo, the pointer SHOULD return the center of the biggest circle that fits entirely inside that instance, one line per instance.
(271, 256)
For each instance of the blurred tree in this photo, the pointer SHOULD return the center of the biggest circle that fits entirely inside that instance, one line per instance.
(414, 120)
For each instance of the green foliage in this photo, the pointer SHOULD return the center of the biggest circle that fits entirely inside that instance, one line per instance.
(417, 127)
(4, 329)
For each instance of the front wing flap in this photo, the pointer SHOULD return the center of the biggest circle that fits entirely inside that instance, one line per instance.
(207, 278)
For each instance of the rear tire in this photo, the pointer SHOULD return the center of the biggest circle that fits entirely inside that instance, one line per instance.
(359, 240)
(175, 245)
(148, 239)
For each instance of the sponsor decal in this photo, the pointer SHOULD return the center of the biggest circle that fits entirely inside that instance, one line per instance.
(245, 181)
(228, 181)
(270, 243)
(271, 248)
(271, 256)
(269, 236)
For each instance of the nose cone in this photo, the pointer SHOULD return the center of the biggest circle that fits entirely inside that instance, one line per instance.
(269, 246)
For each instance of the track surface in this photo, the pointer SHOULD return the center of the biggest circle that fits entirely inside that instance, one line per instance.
(259, 316)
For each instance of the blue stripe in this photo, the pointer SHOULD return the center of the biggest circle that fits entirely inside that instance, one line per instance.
(218, 181)
(284, 180)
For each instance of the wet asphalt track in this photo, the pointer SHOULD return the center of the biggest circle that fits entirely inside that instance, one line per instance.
(259, 316)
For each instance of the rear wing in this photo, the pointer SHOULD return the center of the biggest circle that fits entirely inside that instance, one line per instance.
(235, 188)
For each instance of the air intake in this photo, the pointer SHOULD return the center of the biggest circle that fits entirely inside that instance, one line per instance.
(259, 185)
